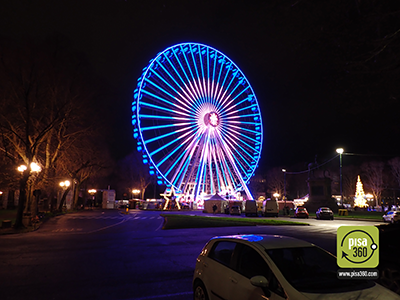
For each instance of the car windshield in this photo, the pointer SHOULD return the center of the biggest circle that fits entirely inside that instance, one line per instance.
(312, 270)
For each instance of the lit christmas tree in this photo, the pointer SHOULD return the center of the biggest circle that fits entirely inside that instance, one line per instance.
(359, 199)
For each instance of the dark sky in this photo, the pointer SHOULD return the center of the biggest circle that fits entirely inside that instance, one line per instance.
(295, 54)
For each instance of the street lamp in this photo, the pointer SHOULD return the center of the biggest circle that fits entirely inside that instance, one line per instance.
(284, 189)
(340, 151)
(369, 198)
(276, 195)
(92, 192)
(21, 168)
(65, 184)
(34, 168)
(135, 191)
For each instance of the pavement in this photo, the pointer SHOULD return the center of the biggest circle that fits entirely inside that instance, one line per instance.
(37, 225)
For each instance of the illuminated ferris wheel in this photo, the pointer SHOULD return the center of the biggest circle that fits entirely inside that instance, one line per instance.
(197, 122)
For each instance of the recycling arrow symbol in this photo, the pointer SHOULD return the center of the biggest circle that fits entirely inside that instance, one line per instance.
(374, 246)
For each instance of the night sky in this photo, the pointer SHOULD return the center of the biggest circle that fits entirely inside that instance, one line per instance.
(316, 67)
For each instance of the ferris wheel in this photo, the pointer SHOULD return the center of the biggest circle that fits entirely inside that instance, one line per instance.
(197, 122)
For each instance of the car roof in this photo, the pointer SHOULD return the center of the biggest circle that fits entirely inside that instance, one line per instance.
(267, 241)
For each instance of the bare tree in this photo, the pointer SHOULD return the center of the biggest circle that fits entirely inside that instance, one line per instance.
(133, 174)
(275, 181)
(41, 98)
(350, 174)
(394, 164)
(84, 158)
(257, 184)
(373, 171)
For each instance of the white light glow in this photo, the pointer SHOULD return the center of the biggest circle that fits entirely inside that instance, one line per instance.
(65, 183)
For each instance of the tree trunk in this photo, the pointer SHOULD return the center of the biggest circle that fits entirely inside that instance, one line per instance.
(64, 196)
(76, 195)
(22, 198)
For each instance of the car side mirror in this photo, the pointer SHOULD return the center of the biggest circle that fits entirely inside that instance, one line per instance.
(261, 282)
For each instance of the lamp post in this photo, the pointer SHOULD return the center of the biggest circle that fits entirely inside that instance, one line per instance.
(34, 169)
(284, 189)
(64, 185)
(135, 192)
(276, 195)
(21, 168)
(340, 151)
(369, 198)
(92, 192)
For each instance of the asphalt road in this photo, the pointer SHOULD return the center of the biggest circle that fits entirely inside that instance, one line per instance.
(111, 255)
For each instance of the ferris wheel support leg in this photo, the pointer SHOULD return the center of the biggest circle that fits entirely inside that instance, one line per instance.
(248, 193)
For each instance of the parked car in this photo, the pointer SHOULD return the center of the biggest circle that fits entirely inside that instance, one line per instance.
(324, 213)
(270, 208)
(235, 210)
(251, 208)
(274, 267)
(301, 212)
(392, 216)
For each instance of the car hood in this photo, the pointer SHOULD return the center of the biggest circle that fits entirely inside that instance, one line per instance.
(373, 293)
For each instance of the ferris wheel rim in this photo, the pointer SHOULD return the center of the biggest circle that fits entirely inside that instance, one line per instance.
(148, 69)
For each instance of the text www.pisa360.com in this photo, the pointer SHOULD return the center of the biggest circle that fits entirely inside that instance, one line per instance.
(358, 274)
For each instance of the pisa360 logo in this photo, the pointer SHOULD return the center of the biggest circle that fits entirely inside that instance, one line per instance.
(357, 247)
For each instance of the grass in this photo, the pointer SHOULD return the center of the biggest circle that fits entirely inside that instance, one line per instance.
(376, 215)
(11, 214)
(372, 215)
(172, 221)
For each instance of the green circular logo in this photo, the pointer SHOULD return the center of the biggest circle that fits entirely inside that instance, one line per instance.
(357, 246)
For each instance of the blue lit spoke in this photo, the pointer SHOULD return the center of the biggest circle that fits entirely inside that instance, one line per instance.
(167, 144)
(190, 90)
(244, 129)
(202, 75)
(162, 108)
(228, 106)
(234, 144)
(144, 116)
(238, 140)
(231, 132)
(160, 137)
(166, 126)
(187, 104)
(198, 77)
(195, 89)
(225, 98)
(239, 110)
(187, 77)
(173, 79)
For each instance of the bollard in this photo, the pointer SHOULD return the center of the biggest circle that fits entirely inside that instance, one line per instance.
(6, 224)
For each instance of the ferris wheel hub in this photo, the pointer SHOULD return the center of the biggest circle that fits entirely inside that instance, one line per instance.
(212, 118)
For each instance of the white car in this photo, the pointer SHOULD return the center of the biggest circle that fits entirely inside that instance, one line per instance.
(392, 216)
(274, 267)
